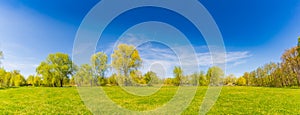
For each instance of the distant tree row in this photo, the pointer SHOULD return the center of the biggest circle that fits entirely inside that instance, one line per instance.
(11, 79)
(283, 74)
(58, 70)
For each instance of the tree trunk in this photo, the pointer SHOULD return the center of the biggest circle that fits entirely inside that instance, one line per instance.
(61, 83)
(298, 76)
(126, 76)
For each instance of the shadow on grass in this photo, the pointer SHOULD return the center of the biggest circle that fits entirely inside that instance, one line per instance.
(4, 88)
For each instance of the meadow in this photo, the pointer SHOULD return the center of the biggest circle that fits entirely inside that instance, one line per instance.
(232, 100)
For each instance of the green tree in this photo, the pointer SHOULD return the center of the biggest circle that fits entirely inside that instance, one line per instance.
(16, 79)
(229, 80)
(137, 78)
(2, 77)
(151, 78)
(178, 73)
(48, 74)
(56, 68)
(202, 79)
(112, 80)
(30, 80)
(194, 79)
(198, 79)
(125, 59)
(84, 76)
(241, 81)
(19, 80)
(248, 78)
(37, 81)
(72, 81)
(291, 62)
(99, 64)
(214, 75)
(168, 81)
(6, 79)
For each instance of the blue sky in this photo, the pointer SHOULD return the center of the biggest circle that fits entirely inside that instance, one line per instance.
(255, 32)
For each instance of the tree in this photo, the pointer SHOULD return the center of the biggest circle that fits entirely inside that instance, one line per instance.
(214, 75)
(197, 79)
(125, 59)
(6, 79)
(136, 77)
(151, 78)
(178, 73)
(37, 81)
(229, 80)
(2, 77)
(47, 73)
(168, 81)
(16, 79)
(112, 79)
(202, 79)
(19, 80)
(291, 61)
(99, 64)
(30, 80)
(56, 69)
(241, 81)
(247, 77)
(194, 79)
(84, 76)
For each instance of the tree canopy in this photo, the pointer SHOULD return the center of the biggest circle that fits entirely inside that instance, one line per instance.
(55, 69)
(125, 59)
(178, 73)
(214, 75)
(99, 64)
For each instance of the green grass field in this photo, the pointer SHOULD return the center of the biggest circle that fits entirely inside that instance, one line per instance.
(232, 100)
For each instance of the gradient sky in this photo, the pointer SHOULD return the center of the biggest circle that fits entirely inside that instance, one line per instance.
(255, 32)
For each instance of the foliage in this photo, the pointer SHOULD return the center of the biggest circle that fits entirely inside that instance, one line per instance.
(11, 79)
(56, 69)
(151, 78)
(99, 64)
(84, 76)
(178, 73)
(214, 75)
(284, 74)
(241, 81)
(168, 81)
(229, 80)
(112, 80)
(30, 80)
(125, 59)
(291, 63)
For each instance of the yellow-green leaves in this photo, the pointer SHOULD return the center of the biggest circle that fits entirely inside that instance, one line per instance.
(56, 69)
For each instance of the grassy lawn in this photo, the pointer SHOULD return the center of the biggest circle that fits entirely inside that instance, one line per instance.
(233, 100)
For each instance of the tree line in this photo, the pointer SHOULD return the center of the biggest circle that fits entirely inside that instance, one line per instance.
(58, 70)
(283, 74)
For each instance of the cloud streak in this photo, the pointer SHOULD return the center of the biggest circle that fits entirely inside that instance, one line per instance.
(156, 53)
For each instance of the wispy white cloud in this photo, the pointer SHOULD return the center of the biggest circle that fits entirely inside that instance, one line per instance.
(231, 57)
(26, 65)
(155, 53)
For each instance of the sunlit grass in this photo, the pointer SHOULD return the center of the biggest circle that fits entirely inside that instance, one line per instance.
(41, 100)
(232, 100)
